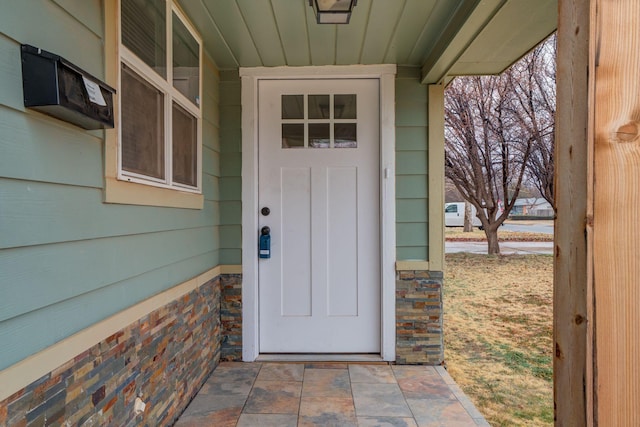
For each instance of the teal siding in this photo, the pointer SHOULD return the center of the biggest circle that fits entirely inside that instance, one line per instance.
(412, 193)
(231, 164)
(68, 260)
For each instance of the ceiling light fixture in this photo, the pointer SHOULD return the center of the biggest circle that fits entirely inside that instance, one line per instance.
(332, 11)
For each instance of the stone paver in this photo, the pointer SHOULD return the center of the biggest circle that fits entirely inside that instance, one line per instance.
(330, 394)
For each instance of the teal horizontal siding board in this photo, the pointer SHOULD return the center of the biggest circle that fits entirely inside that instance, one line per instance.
(34, 213)
(210, 187)
(232, 165)
(46, 274)
(210, 161)
(417, 253)
(231, 115)
(210, 77)
(412, 234)
(39, 148)
(231, 256)
(85, 13)
(230, 140)
(11, 72)
(231, 212)
(216, 214)
(230, 188)
(411, 114)
(230, 92)
(412, 167)
(411, 187)
(210, 135)
(46, 25)
(410, 90)
(411, 210)
(36, 330)
(411, 138)
(411, 162)
(211, 111)
(231, 236)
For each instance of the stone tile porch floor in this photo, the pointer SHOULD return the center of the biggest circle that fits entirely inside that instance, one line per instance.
(329, 394)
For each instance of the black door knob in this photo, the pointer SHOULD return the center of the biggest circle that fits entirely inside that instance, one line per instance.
(265, 230)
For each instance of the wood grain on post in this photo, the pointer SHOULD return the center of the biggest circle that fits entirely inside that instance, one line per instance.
(571, 343)
(615, 52)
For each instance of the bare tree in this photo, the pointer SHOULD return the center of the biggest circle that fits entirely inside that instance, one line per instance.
(499, 133)
(535, 88)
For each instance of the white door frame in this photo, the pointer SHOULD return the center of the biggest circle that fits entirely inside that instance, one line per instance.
(250, 77)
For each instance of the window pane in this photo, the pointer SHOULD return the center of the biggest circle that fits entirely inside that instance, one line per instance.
(292, 106)
(345, 135)
(144, 32)
(292, 135)
(185, 147)
(142, 125)
(186, 61)
(319, 136)
(344, 106)
(318, 106)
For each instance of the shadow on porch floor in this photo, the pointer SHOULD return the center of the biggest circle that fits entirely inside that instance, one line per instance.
(329, 394)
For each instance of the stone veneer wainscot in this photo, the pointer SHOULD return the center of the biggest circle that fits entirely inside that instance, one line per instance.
(419, 338)
(231, 317)
(165, 356)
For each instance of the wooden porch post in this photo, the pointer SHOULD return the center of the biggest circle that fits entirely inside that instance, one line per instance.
(597, 266)
(615, 124)
(436, 177)
(570, 363)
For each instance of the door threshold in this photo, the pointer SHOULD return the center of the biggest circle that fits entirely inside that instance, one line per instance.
(320, 357)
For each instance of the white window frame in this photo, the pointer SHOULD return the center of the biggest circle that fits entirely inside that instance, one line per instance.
(171, 94)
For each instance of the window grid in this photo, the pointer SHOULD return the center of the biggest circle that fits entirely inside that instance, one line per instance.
(171, 95)
(306, 121)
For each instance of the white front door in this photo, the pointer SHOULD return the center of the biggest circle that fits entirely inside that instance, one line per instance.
(319, 177)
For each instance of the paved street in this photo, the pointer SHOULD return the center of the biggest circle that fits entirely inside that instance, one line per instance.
(505, 247)
(529, 226)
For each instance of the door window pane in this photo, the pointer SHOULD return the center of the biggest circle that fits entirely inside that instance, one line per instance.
(185, 145)
(345, 135)
(186, 61)
(144, 32)
(318, 106)
(344, 106)
(292, 106)
(319, 136)
(292, 136)
(142, 134)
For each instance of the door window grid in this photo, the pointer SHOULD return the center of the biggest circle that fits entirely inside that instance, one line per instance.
(309, 121)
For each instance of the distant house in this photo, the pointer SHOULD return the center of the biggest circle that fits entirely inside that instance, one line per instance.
(538, 207)
(129, 261)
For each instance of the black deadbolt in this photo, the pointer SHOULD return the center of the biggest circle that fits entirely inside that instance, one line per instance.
(265, 211)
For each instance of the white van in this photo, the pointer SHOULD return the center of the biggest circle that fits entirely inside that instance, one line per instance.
(454, 215)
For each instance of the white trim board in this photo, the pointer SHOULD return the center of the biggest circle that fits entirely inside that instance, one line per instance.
(250, 76)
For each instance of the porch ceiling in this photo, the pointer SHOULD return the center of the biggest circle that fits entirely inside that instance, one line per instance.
(444, 37)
